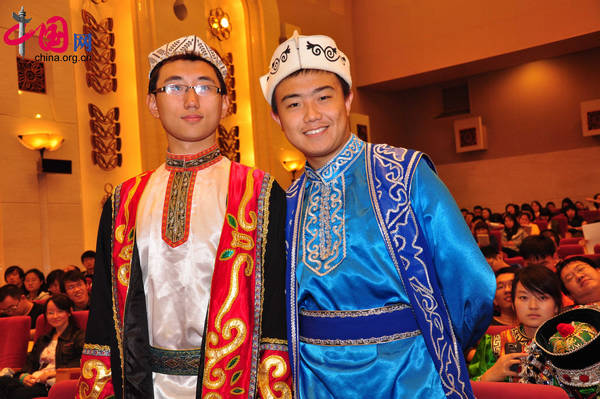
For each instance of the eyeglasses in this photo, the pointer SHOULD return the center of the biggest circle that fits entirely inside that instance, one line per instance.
(577, 270)
(202, 90)
(11, 309)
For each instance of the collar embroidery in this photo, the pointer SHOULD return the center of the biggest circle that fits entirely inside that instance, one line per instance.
(193, 162)
(336, 166)
(324, 232)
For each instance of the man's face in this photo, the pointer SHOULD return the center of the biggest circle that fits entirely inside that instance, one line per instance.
(89, 263)
(582, 281)
(77, 292)
(14, 278)
(503, 290)
(190, 120)
(313, 114)
(13, 306)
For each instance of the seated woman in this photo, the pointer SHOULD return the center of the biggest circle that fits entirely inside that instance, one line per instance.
(536, 297)
(525, 220)
(512, 235)
(35, 285)
(61, 347)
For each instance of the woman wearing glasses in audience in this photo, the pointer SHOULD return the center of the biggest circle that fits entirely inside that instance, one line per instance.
(61, 347)
(536, 297)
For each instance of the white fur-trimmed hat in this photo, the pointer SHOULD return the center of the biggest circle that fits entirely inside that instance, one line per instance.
(187, 45)
(304, 52)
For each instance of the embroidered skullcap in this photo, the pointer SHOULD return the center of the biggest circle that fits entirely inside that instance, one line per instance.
(575, 363)
(304, 52)
(187, 45)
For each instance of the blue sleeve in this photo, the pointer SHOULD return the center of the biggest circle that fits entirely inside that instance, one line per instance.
(467, 282)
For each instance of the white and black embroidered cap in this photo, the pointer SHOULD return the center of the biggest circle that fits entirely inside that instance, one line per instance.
(187, 45)
(304, 52)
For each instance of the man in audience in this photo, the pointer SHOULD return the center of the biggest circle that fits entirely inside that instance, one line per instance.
(75, 286)
(14, 275)
(477, 210)
(580, 278)
(14, 303)
(88, 260)
(539, 250)
(504, 312)
(494, 257)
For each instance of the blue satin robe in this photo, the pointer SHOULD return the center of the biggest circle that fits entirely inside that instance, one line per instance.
(361, 275)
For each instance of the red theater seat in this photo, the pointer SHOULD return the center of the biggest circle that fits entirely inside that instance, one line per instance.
(508, 390)
(569, 249)
(13, 341)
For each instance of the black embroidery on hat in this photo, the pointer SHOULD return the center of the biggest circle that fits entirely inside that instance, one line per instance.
(329, 52)
(277, 61)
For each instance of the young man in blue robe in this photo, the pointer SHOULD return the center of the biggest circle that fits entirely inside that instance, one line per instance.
(385, 285)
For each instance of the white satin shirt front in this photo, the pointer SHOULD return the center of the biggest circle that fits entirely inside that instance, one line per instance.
(177, 280)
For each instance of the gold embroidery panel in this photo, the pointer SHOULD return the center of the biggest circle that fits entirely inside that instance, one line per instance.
(103, 376)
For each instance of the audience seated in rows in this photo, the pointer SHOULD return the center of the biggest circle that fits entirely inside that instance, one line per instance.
(60, 348)
(536, 297)
(35, 285)
(580, 280)
(14, 303)
(75, 286)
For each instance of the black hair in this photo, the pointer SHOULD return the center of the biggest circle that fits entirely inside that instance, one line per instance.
(513, 230)
(63, 302)
(71, 275)
(597, 197)
(537, 247)
(526, 212)
(566, 202)
(12, 269)
(563, 263)
(88, 254)
(515, 206)
(509, 269)
(343, 83)
(477, 207)
(489, 251)
(496, 218)
(39, 275)
(554, 234)
(10, 290)
(54, 275)
(188, 57)
(538, 279)
(481, 224)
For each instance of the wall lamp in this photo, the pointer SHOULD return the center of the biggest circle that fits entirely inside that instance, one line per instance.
(218, 23)
(292, 166)
(46, 142)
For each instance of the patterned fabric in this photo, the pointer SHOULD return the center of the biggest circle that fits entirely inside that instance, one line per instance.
(175, 362)
(304, 52)
(491, 347)
(187, 45)
(396, 214)
(246, 296)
